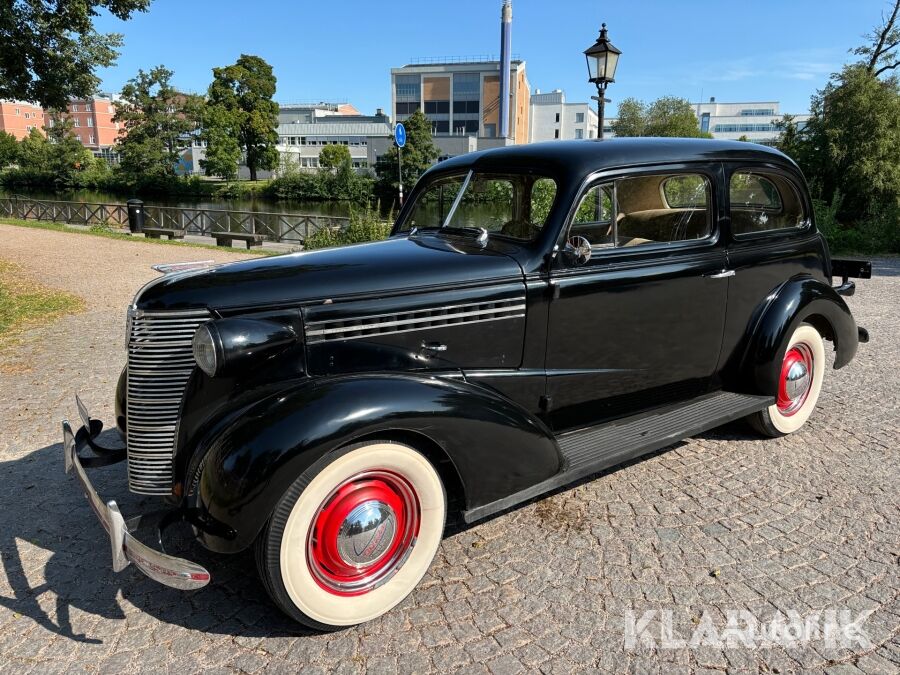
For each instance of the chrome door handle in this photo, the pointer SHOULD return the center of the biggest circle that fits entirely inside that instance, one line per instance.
(721, 275)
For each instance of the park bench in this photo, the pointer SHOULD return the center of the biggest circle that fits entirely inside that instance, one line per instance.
(158, 232)
(225, 238)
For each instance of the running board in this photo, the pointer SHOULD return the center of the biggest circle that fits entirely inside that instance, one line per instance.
(589, 451)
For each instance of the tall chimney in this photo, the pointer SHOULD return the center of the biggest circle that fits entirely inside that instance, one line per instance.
(505, 65)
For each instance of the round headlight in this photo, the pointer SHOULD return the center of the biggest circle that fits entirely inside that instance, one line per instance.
(204, 346)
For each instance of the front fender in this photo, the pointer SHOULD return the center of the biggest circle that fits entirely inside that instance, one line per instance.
(495, 447)
(801, 299)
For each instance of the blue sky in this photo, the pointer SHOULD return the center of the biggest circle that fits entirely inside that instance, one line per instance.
(736, 51)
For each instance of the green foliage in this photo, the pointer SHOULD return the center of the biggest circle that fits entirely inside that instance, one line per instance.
(342, 185)
(241, 116)
(159, 123)
(335, 156)
(223, 149)
(667, 116)
(364, 226)
(57, 160)
(849, 149)
(50, 50)
(418, 155)
(878, 233)
(852, 140)
(9, 149)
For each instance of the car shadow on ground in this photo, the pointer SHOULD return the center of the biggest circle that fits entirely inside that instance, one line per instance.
(51, 544)
(56, 558)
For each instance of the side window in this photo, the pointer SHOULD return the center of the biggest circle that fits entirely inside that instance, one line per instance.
(762, 202)
(644, 210)
(593, 218)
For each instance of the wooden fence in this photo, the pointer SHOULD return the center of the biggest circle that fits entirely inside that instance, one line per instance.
(286, 227)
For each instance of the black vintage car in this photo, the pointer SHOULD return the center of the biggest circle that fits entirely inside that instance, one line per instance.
(538, 314)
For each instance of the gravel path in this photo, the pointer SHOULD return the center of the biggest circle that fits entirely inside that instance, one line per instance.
(722, 523)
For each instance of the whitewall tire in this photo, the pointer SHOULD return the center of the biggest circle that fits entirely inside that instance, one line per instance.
(799, 384)
(353, 537)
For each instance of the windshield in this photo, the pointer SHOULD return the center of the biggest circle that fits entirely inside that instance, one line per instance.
(509, 205)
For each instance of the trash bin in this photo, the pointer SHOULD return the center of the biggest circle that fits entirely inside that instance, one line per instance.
(135, 215)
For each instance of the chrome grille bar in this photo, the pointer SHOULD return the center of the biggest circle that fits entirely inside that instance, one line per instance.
(160, 362)
(420, 319)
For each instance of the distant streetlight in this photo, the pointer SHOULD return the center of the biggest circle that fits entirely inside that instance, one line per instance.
(602, 59)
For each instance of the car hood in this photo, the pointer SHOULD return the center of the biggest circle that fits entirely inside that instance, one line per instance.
(373, 269)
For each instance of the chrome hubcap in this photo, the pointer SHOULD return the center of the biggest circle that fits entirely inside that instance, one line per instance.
(797, 380)
(367, 533)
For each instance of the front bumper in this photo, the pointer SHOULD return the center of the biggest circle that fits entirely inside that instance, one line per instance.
(126, 549)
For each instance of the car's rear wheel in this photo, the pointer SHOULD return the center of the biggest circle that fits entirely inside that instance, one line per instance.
(350, 539)
(799, 383)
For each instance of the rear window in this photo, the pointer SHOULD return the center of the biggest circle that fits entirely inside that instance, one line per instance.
(764, 202)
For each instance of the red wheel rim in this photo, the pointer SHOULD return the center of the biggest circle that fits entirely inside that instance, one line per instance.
(796, 379)
(363, 533)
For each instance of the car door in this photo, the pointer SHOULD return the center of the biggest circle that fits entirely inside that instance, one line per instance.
(639, 295)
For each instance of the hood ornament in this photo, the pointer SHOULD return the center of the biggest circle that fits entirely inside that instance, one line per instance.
(172, 268)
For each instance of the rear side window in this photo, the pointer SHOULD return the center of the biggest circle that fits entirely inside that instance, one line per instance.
(764, 202)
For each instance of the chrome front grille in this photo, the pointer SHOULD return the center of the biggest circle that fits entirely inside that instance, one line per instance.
(160, 362)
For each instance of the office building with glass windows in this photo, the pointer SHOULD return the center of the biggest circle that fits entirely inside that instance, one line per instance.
(461, 98)
(756, 121)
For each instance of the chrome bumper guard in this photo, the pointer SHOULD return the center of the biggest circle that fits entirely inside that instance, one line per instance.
(126, 549)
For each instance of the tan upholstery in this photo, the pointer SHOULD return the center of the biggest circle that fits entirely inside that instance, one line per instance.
(665, 225)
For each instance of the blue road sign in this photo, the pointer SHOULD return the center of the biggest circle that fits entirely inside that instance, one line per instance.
(400, 134)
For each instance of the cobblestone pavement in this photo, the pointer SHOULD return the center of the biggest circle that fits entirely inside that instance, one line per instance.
(719, 523)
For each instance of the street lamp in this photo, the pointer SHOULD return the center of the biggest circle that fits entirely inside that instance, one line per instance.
(602, 59)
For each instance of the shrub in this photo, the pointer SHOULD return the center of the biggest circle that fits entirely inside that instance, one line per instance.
(364, 226)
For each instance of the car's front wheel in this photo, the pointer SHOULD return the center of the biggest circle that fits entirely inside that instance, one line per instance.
(799, 384)
(350, 539)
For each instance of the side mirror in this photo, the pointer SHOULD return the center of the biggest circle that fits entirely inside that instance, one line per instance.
(577, 251)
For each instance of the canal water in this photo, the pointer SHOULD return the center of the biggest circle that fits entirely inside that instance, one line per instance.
(256, 204)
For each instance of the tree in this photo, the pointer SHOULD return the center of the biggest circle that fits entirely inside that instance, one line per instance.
(790, 137)
(744, 138)
(631, 119)
(667, 116)
(49, 50)
(419, 154)
(33, 151)
(65, 154)
(852, 140)
(9, 149)
(242, 112)
(223, 149)
(881, 53)
(335, 156)
(57, 157)
(159, 122)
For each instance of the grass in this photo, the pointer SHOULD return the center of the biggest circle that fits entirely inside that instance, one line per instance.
(106, 233)
(24, 303)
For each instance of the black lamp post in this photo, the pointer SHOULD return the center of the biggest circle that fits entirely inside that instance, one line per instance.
(602, 59)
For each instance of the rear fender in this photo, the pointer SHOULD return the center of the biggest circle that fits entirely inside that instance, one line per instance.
(494, 446)
(801, 299)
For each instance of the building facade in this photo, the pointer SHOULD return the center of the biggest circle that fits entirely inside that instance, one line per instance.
(553, 118)
(462, 98)
(754, 120)
(92, 122)
(303, 131)
(19, 118)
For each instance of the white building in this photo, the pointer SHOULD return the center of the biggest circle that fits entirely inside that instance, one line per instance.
(552, 118)
(304, 130)
(755, 120)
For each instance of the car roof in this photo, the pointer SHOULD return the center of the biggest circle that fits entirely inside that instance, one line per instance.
(575, 159)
